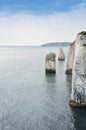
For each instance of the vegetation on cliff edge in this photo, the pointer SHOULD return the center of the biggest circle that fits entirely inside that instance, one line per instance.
(83, 33)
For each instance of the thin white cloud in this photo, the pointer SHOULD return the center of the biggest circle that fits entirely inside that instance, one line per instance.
(28, 29)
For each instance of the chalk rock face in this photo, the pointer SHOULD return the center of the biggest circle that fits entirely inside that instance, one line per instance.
(78, 96)
(61, 55)
(70, 60)
(50, 63)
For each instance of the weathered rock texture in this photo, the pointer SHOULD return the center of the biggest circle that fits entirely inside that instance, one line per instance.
(61, 55)
(50, 63)
(78, 96)
(70, 60)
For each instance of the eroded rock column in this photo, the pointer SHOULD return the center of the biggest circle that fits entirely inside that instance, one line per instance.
(70, 60)
(50, 63)
(61, 56)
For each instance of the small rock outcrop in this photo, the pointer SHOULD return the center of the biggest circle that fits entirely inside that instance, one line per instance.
(50, 63)
(78, 95)
(70, 60)
(61, 56)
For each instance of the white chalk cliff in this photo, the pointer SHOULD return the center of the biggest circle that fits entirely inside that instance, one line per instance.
(78, 95)
(71, 56)
(61, 55)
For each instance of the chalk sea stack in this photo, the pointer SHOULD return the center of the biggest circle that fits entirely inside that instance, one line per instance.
(50, 63)
(70, 60)
(61, 56)
(78, 95)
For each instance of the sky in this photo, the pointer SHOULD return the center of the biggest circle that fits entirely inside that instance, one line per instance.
(36, 22)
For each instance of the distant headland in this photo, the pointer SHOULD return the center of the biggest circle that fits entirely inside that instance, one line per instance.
(52, 44)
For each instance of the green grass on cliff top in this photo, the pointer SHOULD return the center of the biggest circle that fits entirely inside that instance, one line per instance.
(83, 33)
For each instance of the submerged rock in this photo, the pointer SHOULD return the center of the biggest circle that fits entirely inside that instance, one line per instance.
(50, 63)
(61, 55)
(78, 95)
(70, 60)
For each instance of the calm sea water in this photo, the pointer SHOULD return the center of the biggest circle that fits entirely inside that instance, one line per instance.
(32, 100)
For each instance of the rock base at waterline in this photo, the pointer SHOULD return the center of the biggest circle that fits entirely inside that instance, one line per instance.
(75, 104)
(68, 72)
(50, 71)
(61, 59)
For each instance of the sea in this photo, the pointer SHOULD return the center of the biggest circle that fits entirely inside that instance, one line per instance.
(32, 100)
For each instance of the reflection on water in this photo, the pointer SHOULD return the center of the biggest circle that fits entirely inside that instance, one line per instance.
(32, 100)
(50, 77)
(79, 115)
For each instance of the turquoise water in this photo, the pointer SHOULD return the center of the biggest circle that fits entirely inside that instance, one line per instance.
(32, 100)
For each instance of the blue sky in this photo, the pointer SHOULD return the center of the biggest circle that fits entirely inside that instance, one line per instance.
(34, 22)
(39, 6)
